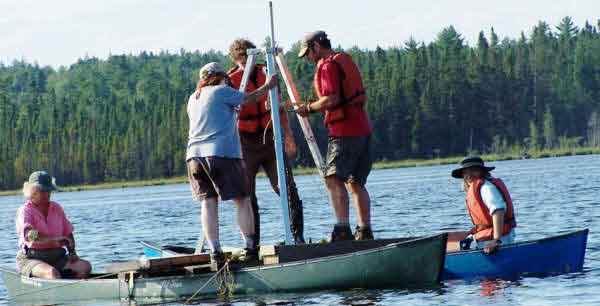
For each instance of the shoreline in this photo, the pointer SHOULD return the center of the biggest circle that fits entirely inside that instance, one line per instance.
(405, 163)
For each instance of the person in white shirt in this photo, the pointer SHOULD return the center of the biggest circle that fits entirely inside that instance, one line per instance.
(489, 205)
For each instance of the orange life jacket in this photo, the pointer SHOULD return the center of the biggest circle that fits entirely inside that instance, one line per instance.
(352, 90)
(480, 214)
(253, 117)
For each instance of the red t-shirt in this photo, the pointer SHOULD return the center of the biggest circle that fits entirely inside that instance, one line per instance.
(356, 121)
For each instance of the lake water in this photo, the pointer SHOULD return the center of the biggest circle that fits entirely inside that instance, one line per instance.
(553, 195)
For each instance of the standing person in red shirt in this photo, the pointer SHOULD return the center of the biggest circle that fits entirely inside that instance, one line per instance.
(341, 96)
(256, 135)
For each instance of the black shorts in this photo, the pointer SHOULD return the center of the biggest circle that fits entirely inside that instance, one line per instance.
(222, 177)
(349, 158)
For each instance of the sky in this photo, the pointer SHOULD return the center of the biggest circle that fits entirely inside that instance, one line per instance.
(58, 32)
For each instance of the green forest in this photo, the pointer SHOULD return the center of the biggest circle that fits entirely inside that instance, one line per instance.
(124, 118)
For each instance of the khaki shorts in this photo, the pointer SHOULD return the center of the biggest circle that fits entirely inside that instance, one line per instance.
(349, 158)
(55, 257)
(222, 177)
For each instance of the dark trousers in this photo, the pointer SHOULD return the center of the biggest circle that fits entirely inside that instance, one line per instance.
(257, 154)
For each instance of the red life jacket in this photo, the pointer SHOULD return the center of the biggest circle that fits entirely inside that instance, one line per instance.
(253, 117)
(480, 214)
(352, 90)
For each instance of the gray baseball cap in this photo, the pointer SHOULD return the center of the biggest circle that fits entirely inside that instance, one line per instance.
(210, 69)
(309, 39)
(43, 180)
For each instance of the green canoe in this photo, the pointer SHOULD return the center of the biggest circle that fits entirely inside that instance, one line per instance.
(412, 263)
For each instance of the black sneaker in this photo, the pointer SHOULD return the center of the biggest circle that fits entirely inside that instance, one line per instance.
(341, 233)
(217, 260)
(363, 233)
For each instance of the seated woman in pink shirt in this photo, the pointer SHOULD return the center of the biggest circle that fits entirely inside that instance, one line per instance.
(44, 232)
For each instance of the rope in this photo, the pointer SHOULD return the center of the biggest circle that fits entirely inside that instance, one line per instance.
(12, 299)
(225, 266)
(226, 283)
(187, 301)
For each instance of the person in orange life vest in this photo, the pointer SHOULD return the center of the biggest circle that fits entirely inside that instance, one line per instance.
(341, 97)
(490, 206)
(258, 146)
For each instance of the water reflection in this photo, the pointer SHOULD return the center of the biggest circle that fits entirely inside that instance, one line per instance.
(491, 287)
(362, 298)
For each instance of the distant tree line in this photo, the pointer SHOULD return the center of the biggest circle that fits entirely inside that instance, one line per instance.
(124, 117)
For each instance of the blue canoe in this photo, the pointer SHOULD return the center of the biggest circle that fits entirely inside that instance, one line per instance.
(548, 256)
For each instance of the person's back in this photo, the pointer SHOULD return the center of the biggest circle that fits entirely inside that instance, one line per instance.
(212, 122)
(215, 168)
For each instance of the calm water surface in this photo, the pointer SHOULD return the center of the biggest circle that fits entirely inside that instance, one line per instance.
(551, 195)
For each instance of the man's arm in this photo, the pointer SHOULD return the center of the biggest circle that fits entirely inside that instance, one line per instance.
(498, 221)
(324, 103)
(498, 226)
(256, 95)
(330, 82)
(495, 203)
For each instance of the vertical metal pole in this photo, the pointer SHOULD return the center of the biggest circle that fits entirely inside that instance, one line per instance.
(272, 27)
(277, 131)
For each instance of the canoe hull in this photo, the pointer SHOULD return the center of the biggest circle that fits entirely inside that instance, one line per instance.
(422, 264)
(554, 255)
(22, 288)
(367, 269)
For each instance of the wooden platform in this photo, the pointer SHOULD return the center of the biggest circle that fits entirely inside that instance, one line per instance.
(159, 264)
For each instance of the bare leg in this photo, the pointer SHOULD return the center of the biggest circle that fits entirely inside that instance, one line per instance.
(44, 270)
(339, 199)
(80, 267)
(210, 223)
(362, 202)
(245, 219)
(454, 239)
